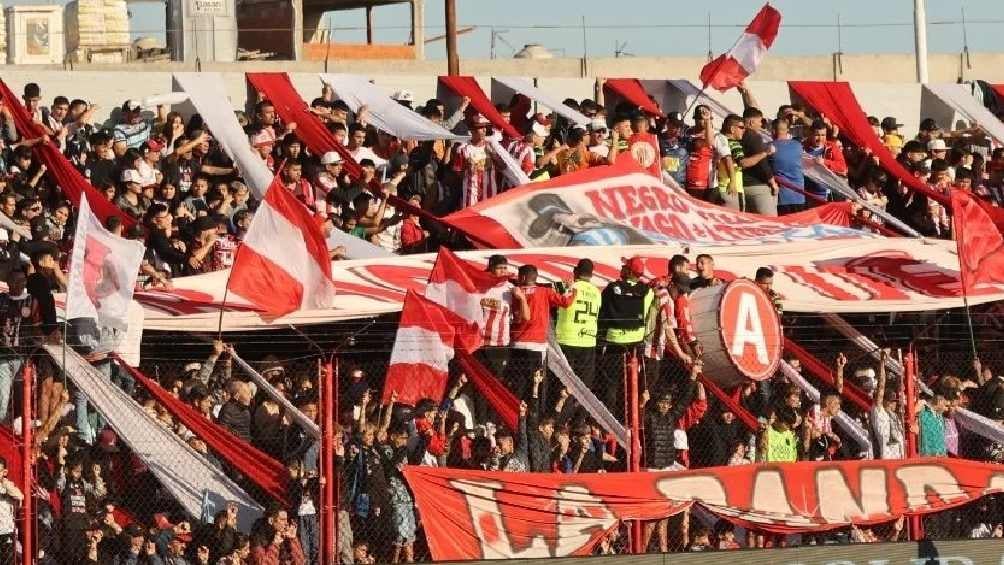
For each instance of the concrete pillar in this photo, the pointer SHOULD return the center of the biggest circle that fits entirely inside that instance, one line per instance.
(297, 38)
(418, 28)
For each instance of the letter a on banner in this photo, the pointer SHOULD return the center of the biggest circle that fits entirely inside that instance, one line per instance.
(749, 329)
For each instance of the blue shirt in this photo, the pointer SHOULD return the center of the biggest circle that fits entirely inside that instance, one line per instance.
(787, 163)
(674, 159)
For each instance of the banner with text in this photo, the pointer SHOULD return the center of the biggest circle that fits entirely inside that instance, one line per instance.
(498, 515)
(621, 205)
(870, 275)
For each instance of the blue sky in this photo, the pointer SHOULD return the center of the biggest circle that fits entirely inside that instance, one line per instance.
(868, 25)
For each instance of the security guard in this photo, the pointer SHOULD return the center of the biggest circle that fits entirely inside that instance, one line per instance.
(576, 325)
(624, 308)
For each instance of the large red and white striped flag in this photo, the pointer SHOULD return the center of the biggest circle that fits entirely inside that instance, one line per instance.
(427, 336)
(283, 264)
(460, 286)
(732, 68)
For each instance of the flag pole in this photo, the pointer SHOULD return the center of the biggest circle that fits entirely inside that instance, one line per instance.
(226, 293)
(718, 67)
(969, 315)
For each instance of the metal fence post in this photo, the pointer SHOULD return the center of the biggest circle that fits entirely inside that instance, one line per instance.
(28, 505)
(911, 427)
(634, 464)
(329, 523)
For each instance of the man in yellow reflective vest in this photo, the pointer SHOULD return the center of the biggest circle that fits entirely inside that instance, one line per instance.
(576, 325)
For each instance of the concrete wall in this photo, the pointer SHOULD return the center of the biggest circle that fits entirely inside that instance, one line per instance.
(883, 83)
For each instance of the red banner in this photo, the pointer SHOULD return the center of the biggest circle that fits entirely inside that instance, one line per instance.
(497, 515)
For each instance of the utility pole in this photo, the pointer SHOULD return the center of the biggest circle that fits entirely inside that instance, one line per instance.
(452, 58)
(920, 39)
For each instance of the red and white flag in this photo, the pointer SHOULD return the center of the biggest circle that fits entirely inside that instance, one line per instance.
(283, 264)
(732, 68)
(980, 244)
(103, 272)
(460, 286)
(427, 336)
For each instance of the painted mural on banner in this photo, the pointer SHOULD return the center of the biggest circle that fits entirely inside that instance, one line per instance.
(623, 205)
(498, 515)
(872, 275)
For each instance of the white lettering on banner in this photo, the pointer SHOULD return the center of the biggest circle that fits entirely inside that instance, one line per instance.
(749, 330)
(582, 516)
(770, 499)
(703, 488)
(486, 515)
(918, 480)
(840, 505)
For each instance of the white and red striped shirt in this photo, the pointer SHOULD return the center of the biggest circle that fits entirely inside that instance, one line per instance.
(497, 307)
(477, 166)
(663, 320)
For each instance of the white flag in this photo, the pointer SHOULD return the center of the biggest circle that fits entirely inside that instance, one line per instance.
(103, 272)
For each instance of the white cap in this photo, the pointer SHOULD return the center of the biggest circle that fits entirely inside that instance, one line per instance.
(132, 105)
(331, 158)
(937, 145)
(131, 175)
(539, 129)
(403, 95)
(597, 124)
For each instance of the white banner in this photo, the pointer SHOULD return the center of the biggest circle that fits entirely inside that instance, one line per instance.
(384, 113)
(960, 98)
(103, 273)
(186, 474)
(867, 275)
(526, 88)
(620, 205)
(209, 96)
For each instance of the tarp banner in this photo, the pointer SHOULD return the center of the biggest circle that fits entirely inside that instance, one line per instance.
(498, 515)
(866, 275)
(622, 205)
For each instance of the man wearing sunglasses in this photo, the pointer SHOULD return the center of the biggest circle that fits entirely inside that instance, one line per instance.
(597, 143)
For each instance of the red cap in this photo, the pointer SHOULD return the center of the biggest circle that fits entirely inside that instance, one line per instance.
(154, 144)
(635, 265)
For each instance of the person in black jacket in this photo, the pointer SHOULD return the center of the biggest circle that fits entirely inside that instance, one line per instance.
(235, 414)
(621, 323)
(660, 452)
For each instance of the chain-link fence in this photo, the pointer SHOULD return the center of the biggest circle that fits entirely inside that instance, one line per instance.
(714, 426)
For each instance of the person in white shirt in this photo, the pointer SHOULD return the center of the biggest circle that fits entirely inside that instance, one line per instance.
(10, 498)
(358, 151)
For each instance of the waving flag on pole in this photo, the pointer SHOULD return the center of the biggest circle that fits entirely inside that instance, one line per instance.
(732, 68)
(980, 244)
(103, 272)
(283, 264)
(427, 336)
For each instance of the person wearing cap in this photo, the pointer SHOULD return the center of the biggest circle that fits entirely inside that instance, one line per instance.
(700, 142)
(929, 131)
(132, 200)
(329, 178)
(498, 306)
(937, 149)
(525, 151)
(133, 128)
(474, 162)
(576, 326)
(598, 132)
(621, 321)
(404, 97)
(891, 137)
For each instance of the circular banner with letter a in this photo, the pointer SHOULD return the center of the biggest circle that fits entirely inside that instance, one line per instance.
(740, 331)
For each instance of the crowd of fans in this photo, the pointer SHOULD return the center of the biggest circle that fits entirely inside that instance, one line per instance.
(97, 504)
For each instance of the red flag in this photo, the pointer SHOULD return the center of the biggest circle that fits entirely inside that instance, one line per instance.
(283, 264)
(423, 348)
(732, 68)
(980, 244)
(460, 286)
